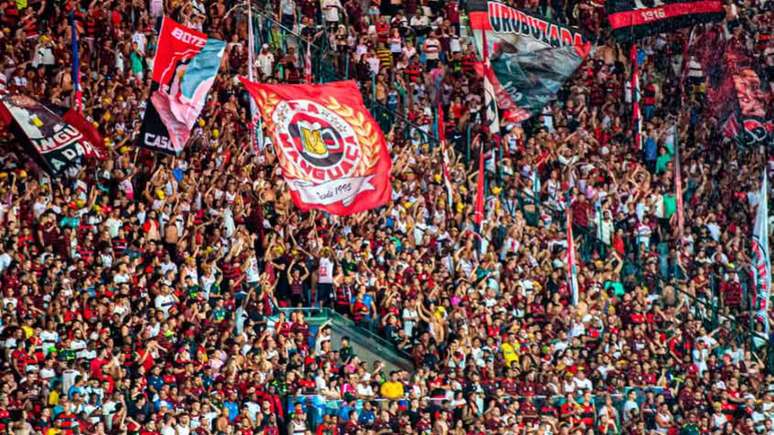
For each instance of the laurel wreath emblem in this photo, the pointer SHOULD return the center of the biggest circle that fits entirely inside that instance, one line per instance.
(366, 135)
(364, 128)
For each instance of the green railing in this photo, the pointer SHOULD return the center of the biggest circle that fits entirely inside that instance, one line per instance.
(317, 316)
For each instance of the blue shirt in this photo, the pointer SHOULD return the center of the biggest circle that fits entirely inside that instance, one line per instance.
(651, 149)
(366, 417)
(233, 410)
(344, 411)
(73, 390)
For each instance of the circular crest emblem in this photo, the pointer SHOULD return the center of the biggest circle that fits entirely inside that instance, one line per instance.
(317, 141)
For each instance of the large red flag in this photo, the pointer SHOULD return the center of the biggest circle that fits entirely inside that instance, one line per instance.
(331, 150)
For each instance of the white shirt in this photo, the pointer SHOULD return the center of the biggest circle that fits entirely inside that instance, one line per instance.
(582, 384)
(113, 225)
(630, 410)
(325, 271)
(330, 10)
(141, 40)
(164, 302)
(43, 56)
(265, 62)
(5, 261)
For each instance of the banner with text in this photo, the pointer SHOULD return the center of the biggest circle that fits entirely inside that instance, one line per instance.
(634, 19)
(55, 143)
(184, 70)
(530, 56)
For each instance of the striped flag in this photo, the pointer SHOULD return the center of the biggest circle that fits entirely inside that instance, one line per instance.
(308, 63)
(635, 85)
(491, 116)
(678, 186)
(75, 69)
(441, 127)
(760, 256)
(572, 267)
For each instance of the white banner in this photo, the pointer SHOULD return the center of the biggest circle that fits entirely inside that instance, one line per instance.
(343, 189)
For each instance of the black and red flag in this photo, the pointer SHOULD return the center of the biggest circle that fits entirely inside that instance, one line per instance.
(55, 137)
(530, 56)
(635, 19)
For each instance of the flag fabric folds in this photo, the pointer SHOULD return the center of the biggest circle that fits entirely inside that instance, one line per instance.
(332, 153)
(531, 57)
(635, 19)
(736, 95)
(184, 70)
(761, 263)
(492, 117)
(53, 142)
(751, 106)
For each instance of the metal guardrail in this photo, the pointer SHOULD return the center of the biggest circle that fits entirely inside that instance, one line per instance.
(330, 314)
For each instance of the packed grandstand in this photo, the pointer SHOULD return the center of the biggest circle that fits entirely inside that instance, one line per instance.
(527, 217)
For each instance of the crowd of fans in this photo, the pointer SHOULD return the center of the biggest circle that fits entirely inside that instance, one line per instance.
(143, 295)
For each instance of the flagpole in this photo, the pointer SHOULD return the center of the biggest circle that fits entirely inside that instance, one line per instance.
(761, 262)
(635, 85)
(75, 68)
(251, 76)
(678, 179)
(572, 268)
(440, 129)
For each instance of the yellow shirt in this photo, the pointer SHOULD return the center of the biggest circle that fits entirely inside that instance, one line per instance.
(391, 390)
(53, 397)
(509, 353)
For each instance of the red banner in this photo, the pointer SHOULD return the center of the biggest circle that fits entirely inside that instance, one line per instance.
(332, 152)
(639, 17)
(180, 43)
(184, 70)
